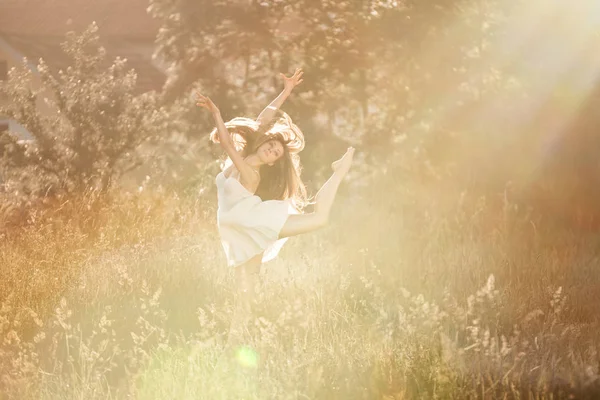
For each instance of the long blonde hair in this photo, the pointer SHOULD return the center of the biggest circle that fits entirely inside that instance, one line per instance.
(281, 180)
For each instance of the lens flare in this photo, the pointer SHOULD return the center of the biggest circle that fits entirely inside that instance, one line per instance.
(247, 357)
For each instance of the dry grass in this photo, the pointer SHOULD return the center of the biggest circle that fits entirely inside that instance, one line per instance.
(374, 307)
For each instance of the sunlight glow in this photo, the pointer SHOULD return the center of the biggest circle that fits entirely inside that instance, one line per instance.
(247, 357)
(550, 48)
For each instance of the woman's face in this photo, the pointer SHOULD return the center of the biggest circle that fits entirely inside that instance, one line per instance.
(270, 151)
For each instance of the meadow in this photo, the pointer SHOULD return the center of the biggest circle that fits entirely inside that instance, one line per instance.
(445, 272)
(394, 300)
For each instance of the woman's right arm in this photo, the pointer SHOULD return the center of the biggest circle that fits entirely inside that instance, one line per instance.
(248, 176)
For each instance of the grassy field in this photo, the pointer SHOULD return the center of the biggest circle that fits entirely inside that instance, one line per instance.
(376, 306)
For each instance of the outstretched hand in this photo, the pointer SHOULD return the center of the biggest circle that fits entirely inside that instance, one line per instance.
(293, 81)
(206, 102)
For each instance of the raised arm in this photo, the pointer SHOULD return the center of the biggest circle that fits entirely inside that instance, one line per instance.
(248, 176)
(288, 85)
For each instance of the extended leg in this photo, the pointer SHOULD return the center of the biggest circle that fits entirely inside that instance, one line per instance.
(298, 224)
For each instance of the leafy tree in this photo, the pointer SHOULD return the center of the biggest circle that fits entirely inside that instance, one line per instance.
(364, 79)
(86, 122)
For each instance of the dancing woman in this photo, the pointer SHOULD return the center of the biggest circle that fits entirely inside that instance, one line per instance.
(260, 193)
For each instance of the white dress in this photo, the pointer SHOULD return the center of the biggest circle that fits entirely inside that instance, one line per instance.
(249, 226)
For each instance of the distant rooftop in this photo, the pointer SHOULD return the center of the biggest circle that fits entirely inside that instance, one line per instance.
(122, 18)
(35, 28)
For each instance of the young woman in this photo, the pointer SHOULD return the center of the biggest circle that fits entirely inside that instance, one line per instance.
(260, 193)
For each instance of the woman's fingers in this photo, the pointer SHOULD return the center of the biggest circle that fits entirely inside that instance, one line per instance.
(295, 76)
(293, 80)
(203, 101)
(200, 98)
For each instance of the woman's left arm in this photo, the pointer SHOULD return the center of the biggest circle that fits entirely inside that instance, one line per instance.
(288, 85)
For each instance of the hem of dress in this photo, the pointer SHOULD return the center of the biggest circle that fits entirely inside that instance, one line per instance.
(263, 251)
(245, 261)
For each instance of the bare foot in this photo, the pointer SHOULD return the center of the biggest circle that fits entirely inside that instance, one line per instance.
(342, 166)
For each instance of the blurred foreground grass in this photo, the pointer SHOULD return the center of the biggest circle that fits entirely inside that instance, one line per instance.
(139, 307)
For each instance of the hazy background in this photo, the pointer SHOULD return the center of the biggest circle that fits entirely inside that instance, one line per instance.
(461, 259)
